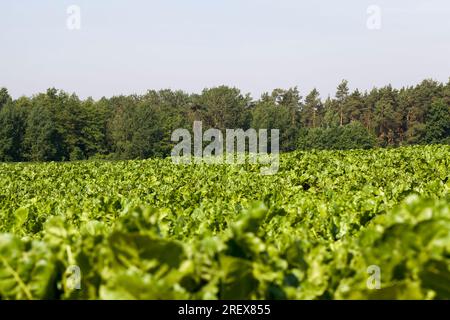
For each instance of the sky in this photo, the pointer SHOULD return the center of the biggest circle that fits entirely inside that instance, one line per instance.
(131, 46)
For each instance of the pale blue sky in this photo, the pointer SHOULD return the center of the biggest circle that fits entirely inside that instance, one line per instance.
(129, 46)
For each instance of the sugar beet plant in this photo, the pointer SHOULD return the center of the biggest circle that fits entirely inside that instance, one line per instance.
(330, 225)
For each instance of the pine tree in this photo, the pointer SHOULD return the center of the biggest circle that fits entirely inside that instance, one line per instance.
(341, 96)
(312, 110)
(4, 97)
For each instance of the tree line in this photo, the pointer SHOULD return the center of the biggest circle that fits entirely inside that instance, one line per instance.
(57, 126)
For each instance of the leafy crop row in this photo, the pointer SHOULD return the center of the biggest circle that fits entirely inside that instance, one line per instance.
(154, 230)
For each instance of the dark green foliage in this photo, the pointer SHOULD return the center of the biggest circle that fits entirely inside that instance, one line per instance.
(43, 141)
(351, 136)
(438, 123)
(12, 127)
(280, 110)
(57, 126)
(4, 97)
(222, 108)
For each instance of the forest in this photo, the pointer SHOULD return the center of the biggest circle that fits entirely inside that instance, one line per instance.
(58, 126)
